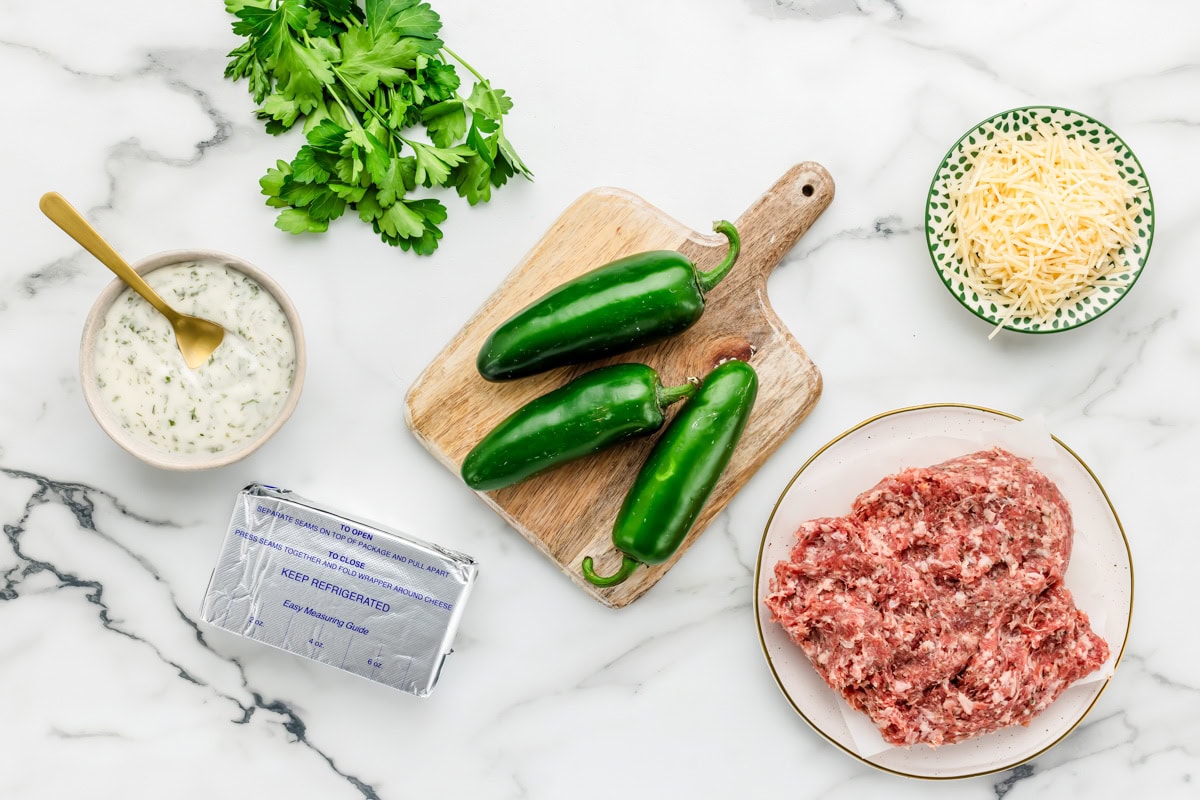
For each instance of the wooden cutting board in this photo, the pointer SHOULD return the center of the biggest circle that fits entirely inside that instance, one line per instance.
(567, 513)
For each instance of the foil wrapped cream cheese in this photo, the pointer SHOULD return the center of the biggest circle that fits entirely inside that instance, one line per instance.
(351, 594)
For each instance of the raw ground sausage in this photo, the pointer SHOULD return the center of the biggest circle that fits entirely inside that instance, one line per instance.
(936, 605)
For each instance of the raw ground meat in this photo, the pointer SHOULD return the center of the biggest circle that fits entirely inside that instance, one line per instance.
(936, 605)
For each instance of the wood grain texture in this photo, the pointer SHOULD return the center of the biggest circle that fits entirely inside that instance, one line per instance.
(567, 513)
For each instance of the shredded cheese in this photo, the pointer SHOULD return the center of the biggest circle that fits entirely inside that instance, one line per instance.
(1041, 218)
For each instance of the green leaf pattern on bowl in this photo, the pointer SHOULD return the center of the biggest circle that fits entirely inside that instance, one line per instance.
(941, 235)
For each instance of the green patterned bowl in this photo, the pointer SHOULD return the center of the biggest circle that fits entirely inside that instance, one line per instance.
(1082, 306)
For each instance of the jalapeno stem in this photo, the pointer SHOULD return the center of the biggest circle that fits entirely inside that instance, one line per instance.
(707, 280)
(628, 565)
(673, 394)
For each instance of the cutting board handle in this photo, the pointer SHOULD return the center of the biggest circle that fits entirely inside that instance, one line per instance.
(778, 219)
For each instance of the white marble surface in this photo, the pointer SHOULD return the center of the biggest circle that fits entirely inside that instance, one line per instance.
(109, 687)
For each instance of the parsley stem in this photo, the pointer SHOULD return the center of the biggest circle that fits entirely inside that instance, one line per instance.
(369, 108)
(351, 117)
(460, 60)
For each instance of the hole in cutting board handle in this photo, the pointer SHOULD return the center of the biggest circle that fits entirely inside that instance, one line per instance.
(808, 190)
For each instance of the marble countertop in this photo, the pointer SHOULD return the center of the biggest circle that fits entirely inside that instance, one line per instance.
(111, 687)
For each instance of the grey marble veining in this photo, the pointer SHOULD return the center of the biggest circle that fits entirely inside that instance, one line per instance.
(83, 586)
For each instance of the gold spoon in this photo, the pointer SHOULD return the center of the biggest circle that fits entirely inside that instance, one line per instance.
(197, 338)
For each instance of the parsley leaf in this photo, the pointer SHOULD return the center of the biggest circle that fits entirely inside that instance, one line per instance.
(272, 183)
(307, 167)
(297, 220)
(434, 163)
(412, 225)
(367, 60)
(446, 122)
(396, 180)
(439, 81)
(491, 103)
(407, 18)
(358, 77)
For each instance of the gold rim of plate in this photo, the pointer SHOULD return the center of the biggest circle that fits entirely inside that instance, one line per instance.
(1087, 306)
(758, 610)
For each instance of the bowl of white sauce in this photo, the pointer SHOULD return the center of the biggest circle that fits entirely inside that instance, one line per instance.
(147, 399)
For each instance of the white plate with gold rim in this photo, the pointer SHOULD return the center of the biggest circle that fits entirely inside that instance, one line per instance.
(1099, 576)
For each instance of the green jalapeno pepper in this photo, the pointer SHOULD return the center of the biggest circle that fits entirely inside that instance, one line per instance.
(621, 306)
(596, 410)
(681, 471)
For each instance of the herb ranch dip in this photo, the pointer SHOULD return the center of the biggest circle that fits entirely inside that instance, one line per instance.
(229, 399)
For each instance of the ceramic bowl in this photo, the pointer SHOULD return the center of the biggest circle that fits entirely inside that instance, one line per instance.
(941, 235)
(98, 400)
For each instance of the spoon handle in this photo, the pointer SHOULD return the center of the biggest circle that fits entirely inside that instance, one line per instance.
(64, 215)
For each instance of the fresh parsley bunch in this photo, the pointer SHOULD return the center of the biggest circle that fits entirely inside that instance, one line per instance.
(360, 79)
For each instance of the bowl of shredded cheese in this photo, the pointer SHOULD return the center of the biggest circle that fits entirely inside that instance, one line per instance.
(1039, 219)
